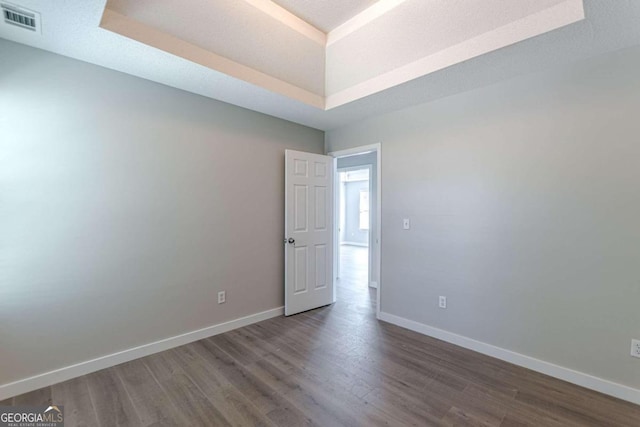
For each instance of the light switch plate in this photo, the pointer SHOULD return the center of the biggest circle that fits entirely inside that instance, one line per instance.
(406, 224)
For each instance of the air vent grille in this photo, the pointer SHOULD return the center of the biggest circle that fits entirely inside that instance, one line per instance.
(22, 18)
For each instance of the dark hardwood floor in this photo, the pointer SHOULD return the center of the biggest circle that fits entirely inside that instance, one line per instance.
(332, 366)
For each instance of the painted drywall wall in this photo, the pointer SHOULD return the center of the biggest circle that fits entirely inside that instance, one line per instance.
(524, 204)
(352, 231)
(125, 206)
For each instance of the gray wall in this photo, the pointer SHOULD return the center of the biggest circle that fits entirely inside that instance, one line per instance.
(525, 200)
(125, 206)
(352, 231)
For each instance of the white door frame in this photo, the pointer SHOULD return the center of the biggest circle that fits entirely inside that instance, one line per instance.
(373, 240)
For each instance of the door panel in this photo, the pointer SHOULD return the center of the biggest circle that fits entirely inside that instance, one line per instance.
(321, 266)
(301, 260)
(321, 208)
(300, 167)
(309, 232)
(301, 214)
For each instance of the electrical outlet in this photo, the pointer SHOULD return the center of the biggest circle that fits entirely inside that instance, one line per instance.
(635, 348)
(442, 302)
(222, 297)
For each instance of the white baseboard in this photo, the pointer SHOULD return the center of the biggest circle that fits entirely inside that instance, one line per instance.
(373, 285)
(579, 378)
(362, 245)
(63, 374)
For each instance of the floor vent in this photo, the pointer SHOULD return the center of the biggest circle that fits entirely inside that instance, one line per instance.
(20, 17)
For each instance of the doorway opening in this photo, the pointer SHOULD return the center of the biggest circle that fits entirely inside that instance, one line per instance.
(354, 224)
(357, 225)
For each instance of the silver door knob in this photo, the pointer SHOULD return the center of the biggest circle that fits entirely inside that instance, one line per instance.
(291, 240)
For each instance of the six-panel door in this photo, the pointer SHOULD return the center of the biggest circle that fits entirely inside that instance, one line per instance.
(308, 231)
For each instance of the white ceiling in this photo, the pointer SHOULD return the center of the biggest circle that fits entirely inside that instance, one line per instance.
(423, 36)
(241, 34)
(72, 28)
(325, 15)
(284, 54)
(389, 43)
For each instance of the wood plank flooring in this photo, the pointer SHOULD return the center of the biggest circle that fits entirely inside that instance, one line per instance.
(334, 366)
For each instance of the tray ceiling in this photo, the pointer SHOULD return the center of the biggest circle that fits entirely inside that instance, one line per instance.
(395, 53)
(326, 15)
(388, 43)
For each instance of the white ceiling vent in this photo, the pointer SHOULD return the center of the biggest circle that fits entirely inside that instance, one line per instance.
(21, 17)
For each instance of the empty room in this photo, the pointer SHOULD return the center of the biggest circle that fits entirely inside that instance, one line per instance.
(320, 213)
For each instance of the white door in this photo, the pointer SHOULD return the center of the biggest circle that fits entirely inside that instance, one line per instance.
(308, 229)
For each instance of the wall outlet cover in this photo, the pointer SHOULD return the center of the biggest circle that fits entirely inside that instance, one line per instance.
(222, 297)
(635, 348)
(442, 302)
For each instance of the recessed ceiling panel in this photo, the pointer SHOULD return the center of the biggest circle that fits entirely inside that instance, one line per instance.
(236, 30)
(325, 14)
(418, 37)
